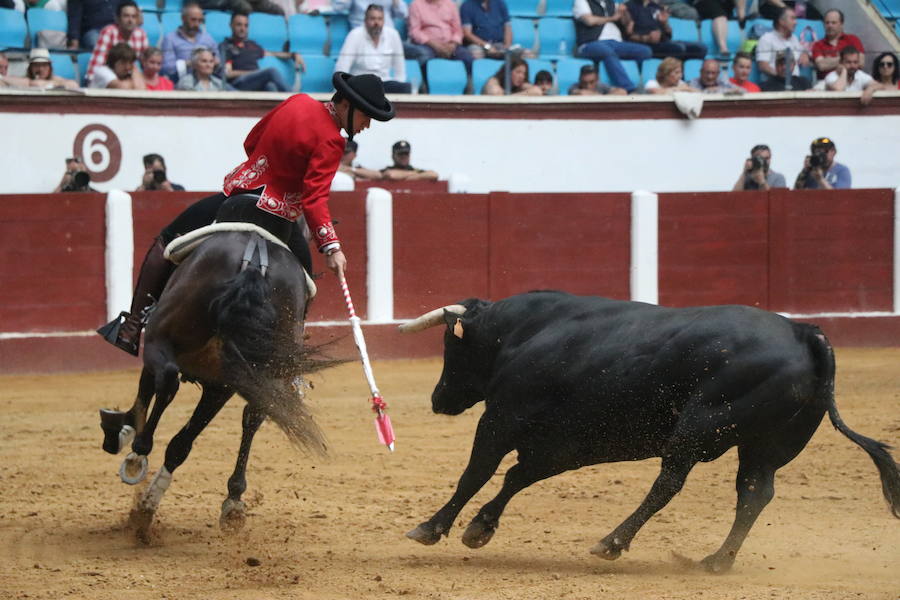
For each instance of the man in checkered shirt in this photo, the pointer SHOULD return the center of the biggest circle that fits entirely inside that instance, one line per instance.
(125, 29)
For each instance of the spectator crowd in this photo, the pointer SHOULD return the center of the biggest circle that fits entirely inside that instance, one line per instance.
(635, 46)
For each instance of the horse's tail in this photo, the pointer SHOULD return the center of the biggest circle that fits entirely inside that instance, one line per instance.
(888, 469)
(261, 360)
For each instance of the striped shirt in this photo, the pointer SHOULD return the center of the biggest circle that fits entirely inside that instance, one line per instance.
(109, 37)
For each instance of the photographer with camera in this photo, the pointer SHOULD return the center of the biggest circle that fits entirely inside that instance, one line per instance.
(820, 171)
(756, 174)
(155, 177)
(76, 178)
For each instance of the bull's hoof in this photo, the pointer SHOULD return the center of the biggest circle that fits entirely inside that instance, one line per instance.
(715, 563)
(233, 516)
(607, 551)
(425, 533)
(479, 532)
(133, 469)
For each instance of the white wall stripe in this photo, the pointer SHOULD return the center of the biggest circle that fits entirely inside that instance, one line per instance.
(119, 252)
(380, 248)
(645, 247)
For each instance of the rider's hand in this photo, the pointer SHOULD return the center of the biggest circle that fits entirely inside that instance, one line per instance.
(337, 262)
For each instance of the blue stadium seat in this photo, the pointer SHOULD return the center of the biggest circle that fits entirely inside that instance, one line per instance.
(218, 25)
(402, 28)
(173, 5)
(153, 29)
(684, 30)
(169, 21)
(269, 31)
(537, 64)
(285, 66)
(338, 28)
(734, 39)
(818, 28)
(446, 76)
(414, 74)
(889, 8)
(522, 8)
(63, 65)
(631, 68)
(568, 71)
(82, 60)
(317, 77)
(308, 35)
(147, 6)
(13, 30)
(523, 32)
(558, 8)
(41, 19)
(556, 37)
(482, 70)
(648, 69)
(692, 69)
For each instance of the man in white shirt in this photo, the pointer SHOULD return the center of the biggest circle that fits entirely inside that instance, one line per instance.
(599, 25)
(781, 39)
(848, 77)
(376, 49)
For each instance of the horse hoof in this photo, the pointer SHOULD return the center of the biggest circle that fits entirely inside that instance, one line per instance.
(715, 564)
(133, 469)
(478, 533)
(112, 422)
(424, 534)
(233, 516)
(140, 521)
(605, 551)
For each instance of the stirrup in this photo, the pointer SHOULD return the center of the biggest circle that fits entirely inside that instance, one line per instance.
(111, 331)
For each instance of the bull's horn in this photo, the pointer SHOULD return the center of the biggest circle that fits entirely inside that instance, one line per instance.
(432, 318)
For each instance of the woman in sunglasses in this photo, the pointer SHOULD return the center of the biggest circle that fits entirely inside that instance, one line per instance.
(885, 71)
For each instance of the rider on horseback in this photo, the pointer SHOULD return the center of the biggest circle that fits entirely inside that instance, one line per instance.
(292, 156)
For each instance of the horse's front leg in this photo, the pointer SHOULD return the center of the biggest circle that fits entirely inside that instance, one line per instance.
(159, 361)
(119, 427)
(233, 513)
(211, 402)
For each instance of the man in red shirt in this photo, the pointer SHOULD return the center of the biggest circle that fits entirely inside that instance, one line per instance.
(826, 52)
(292, 156)
(743, 64)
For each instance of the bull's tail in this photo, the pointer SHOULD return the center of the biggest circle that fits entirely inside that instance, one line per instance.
(261, 360)
(888, 469)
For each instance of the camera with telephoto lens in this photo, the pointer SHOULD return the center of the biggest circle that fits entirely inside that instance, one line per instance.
(80, 182)
(818, 158)
(758, 162)
(159, 176)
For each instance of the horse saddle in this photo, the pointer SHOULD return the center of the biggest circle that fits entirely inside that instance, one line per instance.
(179, 248)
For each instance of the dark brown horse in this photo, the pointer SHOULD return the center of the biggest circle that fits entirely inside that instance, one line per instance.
(230, 319)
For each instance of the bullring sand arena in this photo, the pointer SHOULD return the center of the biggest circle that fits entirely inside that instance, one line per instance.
(334, 528)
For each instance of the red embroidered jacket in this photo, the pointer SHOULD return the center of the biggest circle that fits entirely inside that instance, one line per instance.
(293, 153)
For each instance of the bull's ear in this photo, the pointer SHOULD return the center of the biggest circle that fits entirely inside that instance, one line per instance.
(454, 322)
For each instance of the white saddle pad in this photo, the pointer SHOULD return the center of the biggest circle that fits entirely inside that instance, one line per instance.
(179, 248)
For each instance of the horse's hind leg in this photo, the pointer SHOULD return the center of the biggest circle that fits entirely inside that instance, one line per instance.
(233, 510)
(211, 402)
(119, 427)
(134, 468)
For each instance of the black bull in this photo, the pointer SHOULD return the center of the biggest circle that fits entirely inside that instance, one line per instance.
(573, 381)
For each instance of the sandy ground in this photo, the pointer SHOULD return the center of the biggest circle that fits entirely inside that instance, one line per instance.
(334, 528)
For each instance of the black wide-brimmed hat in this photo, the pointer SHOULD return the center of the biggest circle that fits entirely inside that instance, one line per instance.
(365, 93)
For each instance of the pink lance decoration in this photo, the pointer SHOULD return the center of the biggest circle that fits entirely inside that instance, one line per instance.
(382, 420)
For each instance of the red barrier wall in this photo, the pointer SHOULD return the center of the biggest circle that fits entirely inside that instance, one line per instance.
(799, 252)
(51, 262)
(788, 251)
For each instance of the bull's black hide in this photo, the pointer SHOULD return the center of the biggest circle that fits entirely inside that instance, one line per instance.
(571, 381)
